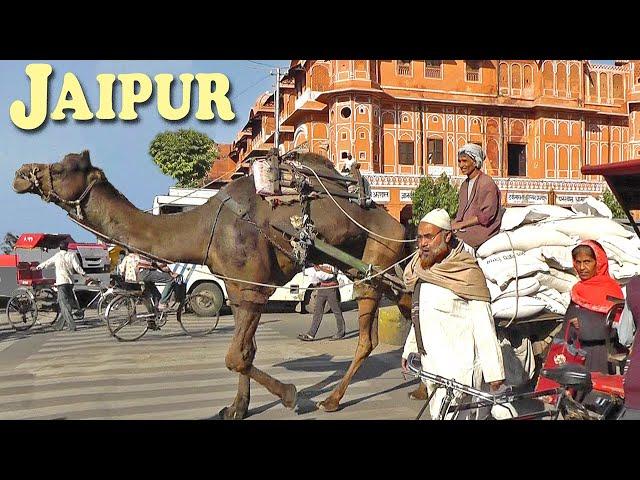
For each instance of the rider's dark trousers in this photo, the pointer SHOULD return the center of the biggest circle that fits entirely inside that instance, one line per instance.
(327, 295)
(150, 277)
(66, 301)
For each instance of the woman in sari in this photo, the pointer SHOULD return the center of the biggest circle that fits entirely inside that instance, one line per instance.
(589, 305)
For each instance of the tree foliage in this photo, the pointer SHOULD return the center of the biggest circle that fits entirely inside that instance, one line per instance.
(610, 201)
(8, 243)
(430, 194)
(186, 155)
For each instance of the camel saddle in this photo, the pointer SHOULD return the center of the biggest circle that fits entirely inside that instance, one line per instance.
(278, 180)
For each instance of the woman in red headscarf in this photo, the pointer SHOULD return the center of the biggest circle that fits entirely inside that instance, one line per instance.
(589, 305)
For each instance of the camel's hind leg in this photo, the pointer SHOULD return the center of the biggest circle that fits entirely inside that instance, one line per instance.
(368, 300)
(240, 359)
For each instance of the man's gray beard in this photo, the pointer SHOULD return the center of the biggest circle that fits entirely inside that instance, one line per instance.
(430, 262)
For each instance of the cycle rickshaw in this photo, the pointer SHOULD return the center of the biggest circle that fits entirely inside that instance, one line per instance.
(36, 299)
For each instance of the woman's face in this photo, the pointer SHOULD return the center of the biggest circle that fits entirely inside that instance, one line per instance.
(585, 265)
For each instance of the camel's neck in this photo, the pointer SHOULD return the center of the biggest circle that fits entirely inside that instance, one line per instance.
(170, 237)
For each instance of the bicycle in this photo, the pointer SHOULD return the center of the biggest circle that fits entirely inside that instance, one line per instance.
(570, 377)
(39, 303)
(132, 313)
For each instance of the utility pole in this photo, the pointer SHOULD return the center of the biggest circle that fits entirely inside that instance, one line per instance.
(276, 142)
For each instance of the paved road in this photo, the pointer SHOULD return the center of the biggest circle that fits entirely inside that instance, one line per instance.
(167, 375)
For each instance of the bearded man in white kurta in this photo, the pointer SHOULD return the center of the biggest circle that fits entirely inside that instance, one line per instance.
(452, 312)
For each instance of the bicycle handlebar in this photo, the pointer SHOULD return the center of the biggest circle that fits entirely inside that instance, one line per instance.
(488, 399)
(447, 382)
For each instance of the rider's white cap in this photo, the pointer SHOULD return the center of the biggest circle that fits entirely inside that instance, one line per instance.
(438, 217)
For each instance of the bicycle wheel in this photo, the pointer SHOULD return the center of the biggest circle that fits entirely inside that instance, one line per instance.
(192, 323)
(125, 318)
(22, 311)
(104, 301)
(47, 306)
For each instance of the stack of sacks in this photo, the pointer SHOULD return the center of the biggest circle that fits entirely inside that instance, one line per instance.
(539, 239)
(624, 256)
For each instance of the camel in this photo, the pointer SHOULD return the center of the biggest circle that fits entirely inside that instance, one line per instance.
(241, 248)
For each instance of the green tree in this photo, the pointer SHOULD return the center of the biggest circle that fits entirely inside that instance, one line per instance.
(9, 242)
(610, 201)
(186, 155)
(430, 194)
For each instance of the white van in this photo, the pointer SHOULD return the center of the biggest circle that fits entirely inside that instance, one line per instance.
(199, 277)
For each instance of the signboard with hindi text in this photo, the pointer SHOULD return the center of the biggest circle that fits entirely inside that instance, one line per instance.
(569, 199)
(405, 196)
(522, 198)
(380, 196)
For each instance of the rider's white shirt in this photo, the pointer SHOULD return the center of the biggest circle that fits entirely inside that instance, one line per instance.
(66, 265)
(459, 338)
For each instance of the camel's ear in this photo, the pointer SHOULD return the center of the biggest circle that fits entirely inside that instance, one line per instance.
(96, 175)
(85, 161)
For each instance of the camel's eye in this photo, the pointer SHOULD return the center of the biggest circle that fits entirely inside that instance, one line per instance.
(56, 168)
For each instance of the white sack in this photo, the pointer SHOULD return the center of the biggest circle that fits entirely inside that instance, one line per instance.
(554, 256)
(500, 268)
(622, 250)
(515, 216)
(587, 228)
(526, 286)
(527, 306)
(557, 279)
(623, 273)
(524, 238)
(556, 302)
(591, 206)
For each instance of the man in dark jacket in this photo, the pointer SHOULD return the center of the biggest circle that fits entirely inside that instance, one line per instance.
(632, 377)
(479, 212)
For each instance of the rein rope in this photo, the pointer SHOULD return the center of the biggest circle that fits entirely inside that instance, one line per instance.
(35, 181)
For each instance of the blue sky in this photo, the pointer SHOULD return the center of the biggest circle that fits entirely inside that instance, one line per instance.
(119, 148)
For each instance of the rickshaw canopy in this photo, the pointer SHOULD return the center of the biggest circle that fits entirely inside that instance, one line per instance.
(42, 240)
(623, 179)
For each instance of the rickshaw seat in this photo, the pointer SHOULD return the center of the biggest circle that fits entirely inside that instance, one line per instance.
(24, 271)
(611, 384)
(119, 282)
(569, 375)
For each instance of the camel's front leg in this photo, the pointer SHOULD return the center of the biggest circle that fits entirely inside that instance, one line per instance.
(238, 409)
(240, 359)
(367, 341)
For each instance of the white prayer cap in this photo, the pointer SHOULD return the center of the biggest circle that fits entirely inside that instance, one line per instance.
(474, 151)
(438, 217)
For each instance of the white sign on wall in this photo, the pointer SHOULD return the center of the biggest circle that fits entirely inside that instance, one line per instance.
(437, 170)
(562, 199)
(405, 196)
(380, 196)
(518, 198)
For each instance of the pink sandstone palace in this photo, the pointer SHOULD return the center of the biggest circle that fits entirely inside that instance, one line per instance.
(539, 121)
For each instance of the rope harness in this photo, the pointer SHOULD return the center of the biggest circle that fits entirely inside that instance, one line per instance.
(32, 177)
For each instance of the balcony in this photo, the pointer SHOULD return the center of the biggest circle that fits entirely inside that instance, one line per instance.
(433, 72)
(403, 67)
(473, 76)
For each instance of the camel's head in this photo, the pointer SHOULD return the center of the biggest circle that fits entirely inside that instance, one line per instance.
(61, 182)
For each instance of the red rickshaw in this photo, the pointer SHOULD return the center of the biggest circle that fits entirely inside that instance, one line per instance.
(32, 293)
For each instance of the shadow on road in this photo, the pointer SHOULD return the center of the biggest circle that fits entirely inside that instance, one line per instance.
(374, 367)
